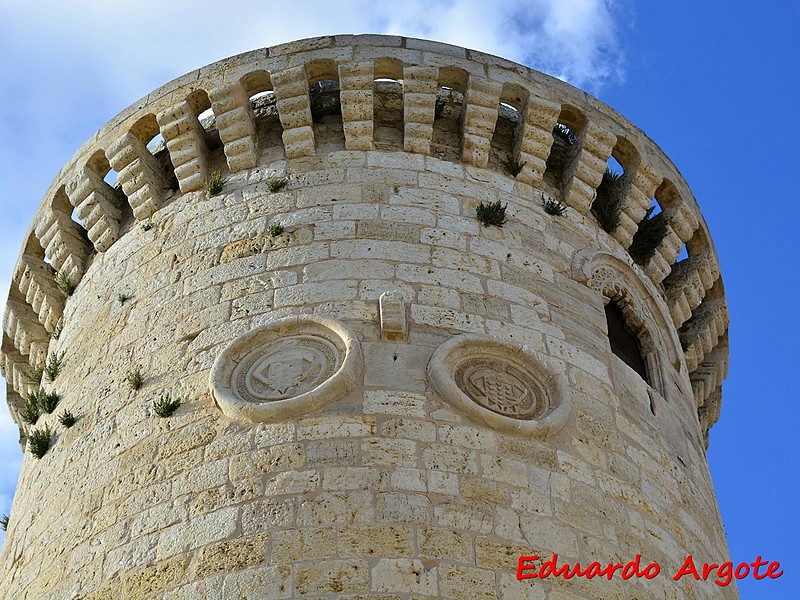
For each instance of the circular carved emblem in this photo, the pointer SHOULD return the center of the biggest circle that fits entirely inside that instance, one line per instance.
(285, 368)
(500, 387)
(505, 385)
(288, 367)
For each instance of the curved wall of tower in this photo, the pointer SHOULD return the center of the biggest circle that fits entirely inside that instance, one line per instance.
(381, 396)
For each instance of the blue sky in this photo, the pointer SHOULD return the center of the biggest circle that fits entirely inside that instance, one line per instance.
(716, 85)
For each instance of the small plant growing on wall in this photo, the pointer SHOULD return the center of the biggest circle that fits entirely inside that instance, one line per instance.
(65, 285)
(47, 401)
(58, 328)
(39, 441)
(53, 365)
(607, 205)
(4, 522)
(515, 167)
(652, 229)
(214, 184)
(30, 411)
(33, 375)
(166, 405)
(147, 224)
(276, 184)
(553, 207)
(491, 214)
(122, 298)
(135, 378)
(67, 419)
(275, 230)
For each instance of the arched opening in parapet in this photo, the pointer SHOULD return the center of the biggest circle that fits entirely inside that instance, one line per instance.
(200, 104)
(63, 210)
(326, 106)
(668, 198)
(505, 145)
(700, 319)
(388, 121)
(147, 131)
(691, 274)
(624, 343)
(120, 209)
(448, 121)
(263, 105)
(650, 233)
(613, 188)
(567, 136)
(39, 277)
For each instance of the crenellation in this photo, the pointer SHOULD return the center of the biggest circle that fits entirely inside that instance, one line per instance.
(357, 102)
(687, 283)
(185, 139)
(36, 281)
(536, 139)
(635, 202)
(236, 125)
(586, 171)
(294, 110)
(28, 335)
(140, 175)
(16, 369)
(699, 334)
(97, 207)
(481, 104)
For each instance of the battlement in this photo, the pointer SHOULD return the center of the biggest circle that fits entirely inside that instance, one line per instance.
(388, 94)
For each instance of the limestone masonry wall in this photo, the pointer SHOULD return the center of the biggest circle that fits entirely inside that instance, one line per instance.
(385, 399)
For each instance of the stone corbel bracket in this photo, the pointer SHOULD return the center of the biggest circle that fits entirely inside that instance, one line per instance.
(543, 402)
(289, 367)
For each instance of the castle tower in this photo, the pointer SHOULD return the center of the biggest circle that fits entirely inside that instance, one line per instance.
(381, 396)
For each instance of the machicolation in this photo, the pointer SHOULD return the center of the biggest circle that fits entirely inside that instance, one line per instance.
(295, 364)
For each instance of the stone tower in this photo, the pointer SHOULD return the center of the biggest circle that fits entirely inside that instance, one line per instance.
(381, 395)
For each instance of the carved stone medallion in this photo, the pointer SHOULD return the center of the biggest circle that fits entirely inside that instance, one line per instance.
(500, 387)
(505, 385)
(289, 367)
(285, 368)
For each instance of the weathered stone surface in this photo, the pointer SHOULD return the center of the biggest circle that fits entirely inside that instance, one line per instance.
(385, 487)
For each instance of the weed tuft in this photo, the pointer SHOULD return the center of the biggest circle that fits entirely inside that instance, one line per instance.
(276, 184)
(53, 366)
(652, 230)
(515, 167)
(33, 375)
(67, 419)
(39, 441)
(47, 401)
(30, 411)
(58, 328)
(553, 207)
(65, 285)
(214, 184)
(607, 205)
(491, 214)
(166, 405)
(135, 378)
(275, 229)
